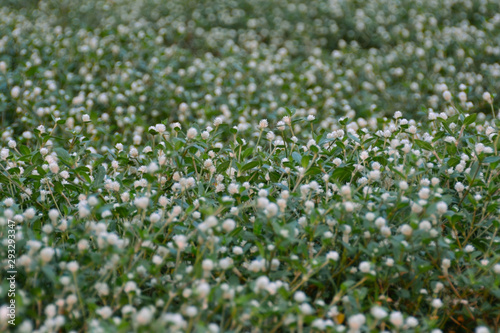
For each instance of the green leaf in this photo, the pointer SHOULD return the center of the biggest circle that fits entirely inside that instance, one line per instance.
(313, 171)
(305, 161)
(342, 174)
(347, 284)
(470, 119)
(247, 152)
(49, 273)
(491, 159)
(257, 227)
(297, 157)
(451, 149)
(63, 154)
(250, 165)
(24, 150)
(424, 145)
(223, 166)
(352, 137)
(99, 178)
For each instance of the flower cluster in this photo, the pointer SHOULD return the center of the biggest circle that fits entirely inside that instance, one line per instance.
(244, 165)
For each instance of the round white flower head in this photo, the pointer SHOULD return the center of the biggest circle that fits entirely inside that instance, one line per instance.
(332, 255)
(228, 225)
(192, 133)
(299, 297)
(487, 97)
(218, 121)
(447, 95)
(46, 254)
(263, 124)
(406, 230)
(396, 318)
(378, 312)
(442, 207)
(356, 321)
(73, 266)
(141, 202)
(364, 267)
(436, 303)
(482, 329)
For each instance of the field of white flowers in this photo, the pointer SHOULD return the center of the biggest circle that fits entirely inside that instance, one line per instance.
(250, 166)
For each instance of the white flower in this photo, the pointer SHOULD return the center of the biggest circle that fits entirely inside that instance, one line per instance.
(462, 96)
(228, 225)
(218, 121)
(378, 312)
(447, 95)
(272, 209)
(191, 311)
(85, 118)
(155, 217)
(436, 303)
(306, 309)
(180, 241)
(459, 187)
(263, 124)
(469, 248)
(261, 283)
(15, 92)
(207, 265)
(380, 222)
(4, 153)
(406, 230)
(442, 207)
(53, 215)
(191, 133)
(479, 148)
(160, 128)
(105, 312)
(332, 255)
(54, 167)
(9, 202)
(46, 254)
(73, 266)
(141, 202)
(225, 263)
(175, 125)
(487, 97)
(213, 328)
(396, 318)
(364, 267)
(425, 225)
(356, 321)
(299, 297)
(412, 321)
(29, 213)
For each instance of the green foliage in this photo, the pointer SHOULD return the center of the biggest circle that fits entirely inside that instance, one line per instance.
(233, 166)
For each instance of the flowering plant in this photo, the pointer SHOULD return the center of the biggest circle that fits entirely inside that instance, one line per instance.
(243, 166)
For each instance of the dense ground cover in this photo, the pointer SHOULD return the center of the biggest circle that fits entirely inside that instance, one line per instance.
(237, 166)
